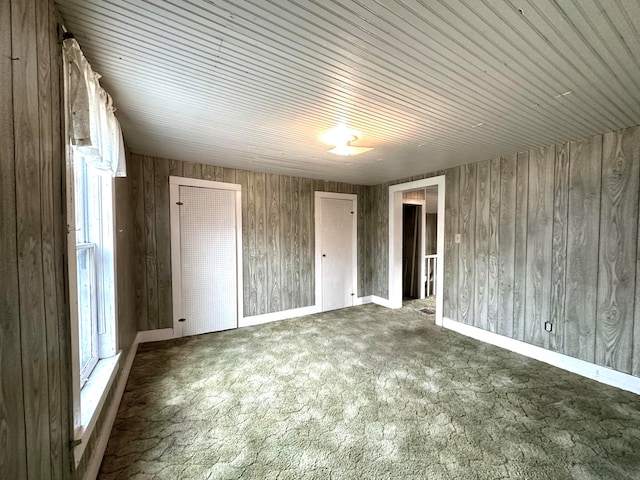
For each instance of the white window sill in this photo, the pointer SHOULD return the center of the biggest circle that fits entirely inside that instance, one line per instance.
(92, 398)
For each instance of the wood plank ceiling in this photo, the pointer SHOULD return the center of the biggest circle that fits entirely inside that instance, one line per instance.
(429, 84)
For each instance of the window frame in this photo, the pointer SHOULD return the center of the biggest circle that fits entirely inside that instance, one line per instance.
(87, 367)
(90, 396)
(90, 392)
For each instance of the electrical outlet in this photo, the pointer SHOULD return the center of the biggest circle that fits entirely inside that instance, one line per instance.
(548, 326)
(457, 238)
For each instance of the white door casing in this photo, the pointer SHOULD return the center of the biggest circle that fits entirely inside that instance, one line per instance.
(336, 250)
(395, 241)
(206, 258)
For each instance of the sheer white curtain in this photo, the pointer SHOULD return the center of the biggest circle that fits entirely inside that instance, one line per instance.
(94, 128)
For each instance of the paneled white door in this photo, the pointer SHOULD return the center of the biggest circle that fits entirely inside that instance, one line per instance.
(208, 260)
(336, 251)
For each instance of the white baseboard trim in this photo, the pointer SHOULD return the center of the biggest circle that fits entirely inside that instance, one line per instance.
(145, 336)
(275, 316)
(381, 301)
(574, 365)
(93, 467)
(362, 300)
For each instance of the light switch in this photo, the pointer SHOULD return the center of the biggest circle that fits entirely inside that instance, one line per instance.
(457, 238)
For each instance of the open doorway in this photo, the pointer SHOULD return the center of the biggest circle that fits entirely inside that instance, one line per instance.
(419, 244)
(402, 248)
(413, 244)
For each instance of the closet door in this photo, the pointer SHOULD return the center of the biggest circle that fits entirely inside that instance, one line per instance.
(208, 260)
(336, 257)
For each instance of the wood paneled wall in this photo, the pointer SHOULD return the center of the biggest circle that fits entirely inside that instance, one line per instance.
(277, 235)
(550, 234)
(378, 241)
(34, 396)
(567, 236)
(35, 387)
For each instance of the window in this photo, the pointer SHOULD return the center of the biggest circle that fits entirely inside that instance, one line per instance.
(92, 283)
(95, 155)
(94, 256)
(87, 310)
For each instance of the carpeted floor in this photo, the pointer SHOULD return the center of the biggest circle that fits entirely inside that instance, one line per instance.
(364, 393)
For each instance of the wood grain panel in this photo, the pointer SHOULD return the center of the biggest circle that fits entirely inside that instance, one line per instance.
(125, 266)
(192, 170)
(218, 174)
(520, 249)
(583, 231)
(29, 237)
(295, 232)
(494, 245)
(382, 241)
(450, 269)
(48, 238)
(374, 242)
(466, 253)
(261, 275)
(383, 238)
(136, 184)
(176, 168)
(380, 245)
(13, 456)
(248, 242)
(208, 172)
(307, 257)
(149, 191)
(372, 238)
(366, 239)
(329, 186)
(481, 267)
(285, 230)
(252, 248)
(559, 245)
(273, 253)
(347, 188)
(359, 191)
(229, 175)
(618, 244)
(59, 393)
(163, 243)
(506, 244)
(635, 358)
(539, 238)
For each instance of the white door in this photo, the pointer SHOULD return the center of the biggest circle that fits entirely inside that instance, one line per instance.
(336, 249)
(208, 260)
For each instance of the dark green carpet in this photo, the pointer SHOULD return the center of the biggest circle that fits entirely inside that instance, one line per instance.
(364, 393)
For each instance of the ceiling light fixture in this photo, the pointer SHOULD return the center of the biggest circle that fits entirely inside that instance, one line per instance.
(349, 150)
(343, 137)
(339, 135)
